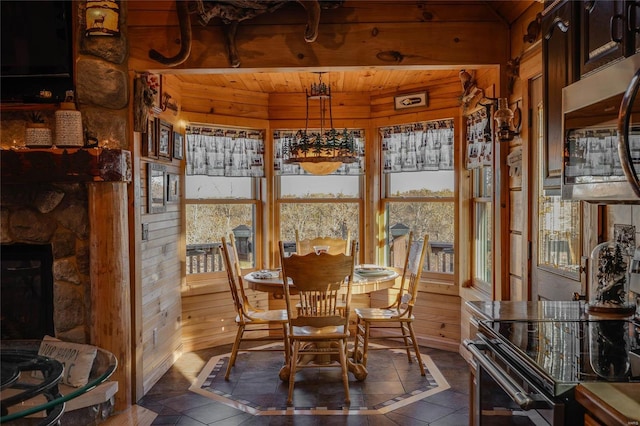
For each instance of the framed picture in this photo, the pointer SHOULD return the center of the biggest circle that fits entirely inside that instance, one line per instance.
(410, 101)
(173, 189)
(178, 145)
(156, 187)
(149, 139)
(165, 140)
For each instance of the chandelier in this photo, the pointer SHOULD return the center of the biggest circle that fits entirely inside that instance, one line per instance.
(323, 151)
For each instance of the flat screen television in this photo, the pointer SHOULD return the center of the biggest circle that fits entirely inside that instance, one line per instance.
(37, 50)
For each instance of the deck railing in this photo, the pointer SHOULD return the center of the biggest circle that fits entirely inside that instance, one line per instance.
(439, 258)
(203, 258)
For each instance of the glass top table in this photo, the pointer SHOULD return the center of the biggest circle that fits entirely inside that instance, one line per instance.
(18, 359)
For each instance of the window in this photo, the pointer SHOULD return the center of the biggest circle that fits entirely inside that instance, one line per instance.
(419, 190)
(481, 249)
(479, 137)
(558, 237)
(559, 224)
(222, 188)
(318, 206)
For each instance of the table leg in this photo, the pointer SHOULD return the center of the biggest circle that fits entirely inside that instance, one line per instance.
(359, 371)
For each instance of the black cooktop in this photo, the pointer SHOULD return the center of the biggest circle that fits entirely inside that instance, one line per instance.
(570, 351)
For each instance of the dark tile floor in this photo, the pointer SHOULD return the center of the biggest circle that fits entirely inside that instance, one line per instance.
(177, 405)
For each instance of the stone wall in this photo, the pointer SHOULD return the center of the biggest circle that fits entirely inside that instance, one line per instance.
(57, 215)
(102, 83)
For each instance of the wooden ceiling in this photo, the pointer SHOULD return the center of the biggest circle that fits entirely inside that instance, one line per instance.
(356, 80)
(370, 80)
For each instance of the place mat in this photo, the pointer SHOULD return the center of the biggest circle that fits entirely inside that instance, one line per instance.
(261, 369)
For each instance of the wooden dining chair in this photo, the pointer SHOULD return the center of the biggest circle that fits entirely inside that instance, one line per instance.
(318, 329)
(253, 324)
(398, 316)
(336, 245)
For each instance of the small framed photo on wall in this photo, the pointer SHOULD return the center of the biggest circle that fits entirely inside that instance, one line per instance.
(173, 189)
(178, 145)
(156, 188)
(165, 140)
(149, 145)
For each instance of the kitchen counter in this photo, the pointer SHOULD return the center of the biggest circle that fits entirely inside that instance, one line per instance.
(611, 403)
(606, 403)
(508, 310)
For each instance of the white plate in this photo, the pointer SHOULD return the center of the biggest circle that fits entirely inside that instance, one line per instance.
(266, 274)
(373, 272)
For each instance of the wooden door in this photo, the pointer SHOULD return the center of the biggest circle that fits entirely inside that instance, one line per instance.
(559, 70)
(604, 34)
(633, 9)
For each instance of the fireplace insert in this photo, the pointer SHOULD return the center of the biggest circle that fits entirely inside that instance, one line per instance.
(27, 291)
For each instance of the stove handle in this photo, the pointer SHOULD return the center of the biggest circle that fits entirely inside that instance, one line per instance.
(515, 392)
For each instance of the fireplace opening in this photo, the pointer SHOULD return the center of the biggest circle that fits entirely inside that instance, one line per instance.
(26, 291)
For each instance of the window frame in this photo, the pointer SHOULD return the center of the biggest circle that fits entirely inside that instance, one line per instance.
(258, 213)
(481, 195)
(444, 278)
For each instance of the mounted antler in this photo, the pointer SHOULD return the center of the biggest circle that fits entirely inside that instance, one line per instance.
(182, 8)
(231, 12)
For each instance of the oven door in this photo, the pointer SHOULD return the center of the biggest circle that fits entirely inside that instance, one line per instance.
(503, 396)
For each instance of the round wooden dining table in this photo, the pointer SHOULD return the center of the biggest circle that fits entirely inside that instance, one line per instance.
(372, 278)
(364, 283)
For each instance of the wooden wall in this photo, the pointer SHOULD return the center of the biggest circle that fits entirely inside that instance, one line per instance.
(159, 268)
(351, 35)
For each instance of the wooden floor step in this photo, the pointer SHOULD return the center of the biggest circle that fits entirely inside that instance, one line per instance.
(134, 416)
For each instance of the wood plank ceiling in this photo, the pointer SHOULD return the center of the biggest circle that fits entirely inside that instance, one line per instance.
(364, 80)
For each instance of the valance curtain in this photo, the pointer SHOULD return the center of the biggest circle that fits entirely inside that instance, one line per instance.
(479, 139)
(282, 137)
(216, 151)
(418, 147)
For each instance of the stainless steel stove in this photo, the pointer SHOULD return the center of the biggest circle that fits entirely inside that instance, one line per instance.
(527, 370)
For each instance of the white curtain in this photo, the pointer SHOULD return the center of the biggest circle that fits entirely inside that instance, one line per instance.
(216, 151)
(418, 146)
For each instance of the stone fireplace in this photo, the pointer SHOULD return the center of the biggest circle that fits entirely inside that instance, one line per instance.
(76, 202)
(55, 215)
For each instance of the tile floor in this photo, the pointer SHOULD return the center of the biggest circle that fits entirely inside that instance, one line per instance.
(171, 399)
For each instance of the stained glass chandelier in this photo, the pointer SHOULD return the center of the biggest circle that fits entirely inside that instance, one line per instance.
(321, 151)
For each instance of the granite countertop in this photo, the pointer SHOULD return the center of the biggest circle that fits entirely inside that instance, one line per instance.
(613, 403)
(508, 310)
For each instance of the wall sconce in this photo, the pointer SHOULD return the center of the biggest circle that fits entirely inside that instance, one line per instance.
(504, 119)
(102, 18)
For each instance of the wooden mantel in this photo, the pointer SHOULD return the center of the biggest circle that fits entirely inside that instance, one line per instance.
(19, 166)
